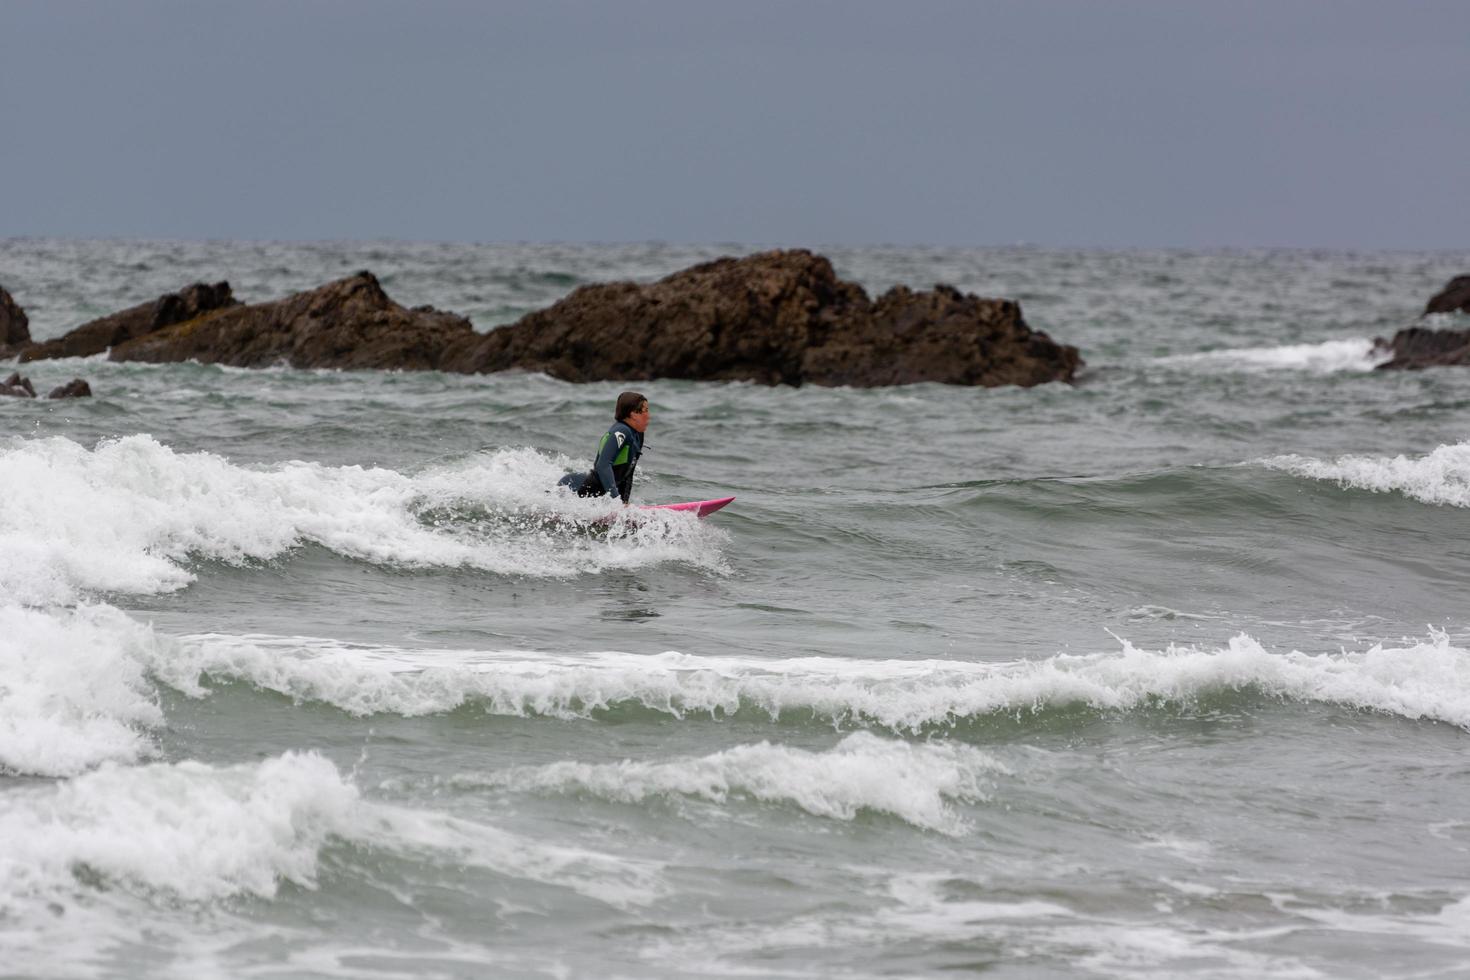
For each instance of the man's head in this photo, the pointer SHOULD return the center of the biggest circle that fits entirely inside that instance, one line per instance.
(632, 409)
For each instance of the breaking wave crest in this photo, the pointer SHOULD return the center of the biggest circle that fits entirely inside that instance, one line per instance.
(74, 691)
(1427, 680)
(129, 515)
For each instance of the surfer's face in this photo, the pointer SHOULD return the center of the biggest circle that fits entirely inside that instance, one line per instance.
(639, 419)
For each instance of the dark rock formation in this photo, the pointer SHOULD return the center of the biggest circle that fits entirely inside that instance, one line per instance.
(1455, 296)
(15, 329)
(1419, 347)
(350, 323)
(138, 321)
(17, 387)
(75, 388)
(775, 318)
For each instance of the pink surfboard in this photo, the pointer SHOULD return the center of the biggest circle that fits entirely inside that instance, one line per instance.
(701, 508)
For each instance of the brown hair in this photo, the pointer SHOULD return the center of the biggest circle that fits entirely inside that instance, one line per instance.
(628, 403)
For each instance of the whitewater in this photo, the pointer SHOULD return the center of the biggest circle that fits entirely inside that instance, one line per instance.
(314, 674)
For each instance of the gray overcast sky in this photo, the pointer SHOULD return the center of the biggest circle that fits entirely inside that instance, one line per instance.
(1091, 123)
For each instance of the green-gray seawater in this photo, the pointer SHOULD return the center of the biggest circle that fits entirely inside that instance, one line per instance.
(308, 674)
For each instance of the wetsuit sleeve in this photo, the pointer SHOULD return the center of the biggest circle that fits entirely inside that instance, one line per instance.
(606, 453)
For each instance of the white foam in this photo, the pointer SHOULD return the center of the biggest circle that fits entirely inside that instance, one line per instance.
(1108, 944)
(861, 773)
(1327, 357)
(190, 830)
(1421, 680)
(199, 833)
(128, 515)
(1448, 926)
(73, 691)
(1441, 477)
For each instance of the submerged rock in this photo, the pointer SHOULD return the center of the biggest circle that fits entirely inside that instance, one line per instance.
(17, 386)
(96, 336)
(75, 388)
(778, 317)
(1454, 297)
(15, 330)
(350, 323)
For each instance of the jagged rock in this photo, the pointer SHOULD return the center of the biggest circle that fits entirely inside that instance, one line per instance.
(1455, 296)
(775, 318)
(778, 317)
(16, 386)
(75, 388)
(1419, 347)
(350, 323)
(97, 336)
(15, 329)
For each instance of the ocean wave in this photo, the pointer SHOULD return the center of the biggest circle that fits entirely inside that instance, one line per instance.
(198, 833)
(863, 772)
(1441, 477)
(79, 685)
(1428, 680)
(1327, 357)
(129, 515)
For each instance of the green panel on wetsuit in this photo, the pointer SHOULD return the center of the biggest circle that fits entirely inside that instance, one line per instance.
(620, 458)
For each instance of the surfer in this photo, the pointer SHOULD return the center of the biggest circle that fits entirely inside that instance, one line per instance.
(617, 453)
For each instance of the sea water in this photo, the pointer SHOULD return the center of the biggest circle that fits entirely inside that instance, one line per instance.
(1167, 672)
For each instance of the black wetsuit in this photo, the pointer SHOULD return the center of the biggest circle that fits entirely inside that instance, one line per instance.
(612, 470)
